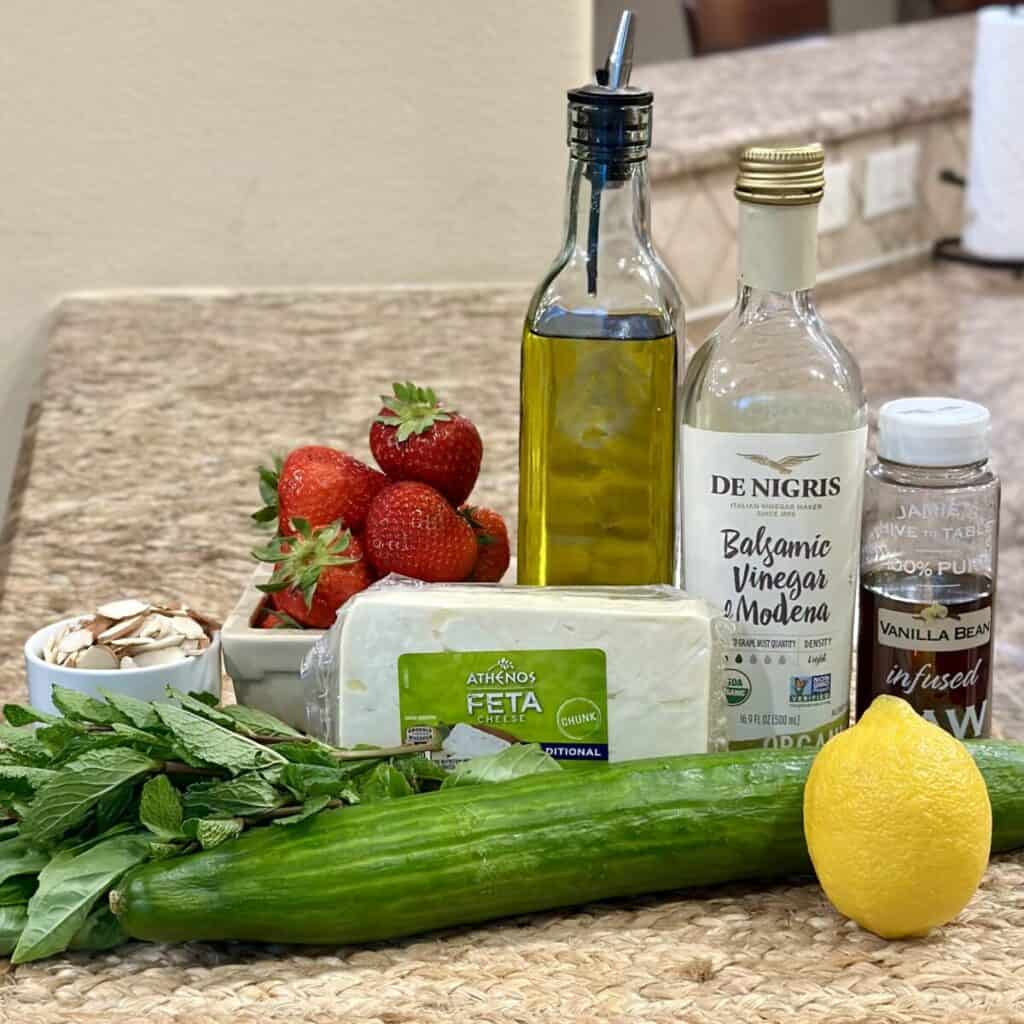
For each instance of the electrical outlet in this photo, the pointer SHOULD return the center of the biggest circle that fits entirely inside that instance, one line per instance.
(890, 180)
(835, 210)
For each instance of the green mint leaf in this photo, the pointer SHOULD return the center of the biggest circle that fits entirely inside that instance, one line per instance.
(385, 782)
(160, 808)
(117, 805)
(211, 832)
(204, 698)
(200, 708)
(312, 806)
(22, 714)
(418, 769)
(163, 851)
(138, 713)
(511, 763)
(234, 798)
(306, 780)
(20, 782)
(101, 930)
(12, 923)
(310, 752)
(81, 708)
(157, 746)
(64, 801)
(214, 744)
(69, 886)
(254, 722)
(18, 889)
(25, 745)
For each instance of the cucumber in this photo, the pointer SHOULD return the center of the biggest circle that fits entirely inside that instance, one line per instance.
(465, 855)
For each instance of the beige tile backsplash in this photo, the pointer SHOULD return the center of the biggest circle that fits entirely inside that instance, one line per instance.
(694, 214)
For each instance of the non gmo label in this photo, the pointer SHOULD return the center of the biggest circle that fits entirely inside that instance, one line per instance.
(483, 701)
(934, 628)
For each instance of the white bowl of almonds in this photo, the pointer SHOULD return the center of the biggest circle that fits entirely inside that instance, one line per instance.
(125, 646)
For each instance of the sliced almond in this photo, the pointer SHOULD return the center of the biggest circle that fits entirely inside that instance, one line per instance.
(97, 624)
(187, 627)
(128, 608)
(132, 645)
(76, 640)
(164, 656)
(128, 662)
(96, 658)
(156, 626)
(211, 626)
(126, 627)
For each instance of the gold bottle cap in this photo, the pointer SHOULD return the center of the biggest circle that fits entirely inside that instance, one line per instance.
(781, 175)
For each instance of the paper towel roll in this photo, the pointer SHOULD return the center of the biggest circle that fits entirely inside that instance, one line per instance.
(995, 175)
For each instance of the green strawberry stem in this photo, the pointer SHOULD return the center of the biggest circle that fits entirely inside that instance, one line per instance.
(268, 492)
(413, 410)
(300, 560)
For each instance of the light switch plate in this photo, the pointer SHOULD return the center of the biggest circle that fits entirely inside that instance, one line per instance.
(890, 180)
(835, 210)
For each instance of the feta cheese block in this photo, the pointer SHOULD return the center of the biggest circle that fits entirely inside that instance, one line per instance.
(591, 674)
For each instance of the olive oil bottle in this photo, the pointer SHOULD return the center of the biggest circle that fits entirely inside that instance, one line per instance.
(597, 443)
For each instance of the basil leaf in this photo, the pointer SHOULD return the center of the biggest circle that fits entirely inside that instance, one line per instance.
(245, 795)
(79, 707)
(12, 922)
(18, 889)
(312, 806)
(200, 708)
(513, 762)
(22, 714)
(258, 723)
(160, 808)
(65, 800)
(384, 783)
(68, 887)
(214, 744)
(101, 930)
(136, 712)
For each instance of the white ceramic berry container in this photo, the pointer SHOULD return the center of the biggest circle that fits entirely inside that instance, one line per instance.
(201, 674)
(264, 664)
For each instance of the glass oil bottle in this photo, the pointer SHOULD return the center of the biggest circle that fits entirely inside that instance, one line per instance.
(597, 447)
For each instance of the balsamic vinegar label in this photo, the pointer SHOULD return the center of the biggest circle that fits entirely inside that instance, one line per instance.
(771, 534)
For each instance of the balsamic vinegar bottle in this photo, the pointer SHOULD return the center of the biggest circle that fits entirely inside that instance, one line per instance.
(597, 447)
(774, 430)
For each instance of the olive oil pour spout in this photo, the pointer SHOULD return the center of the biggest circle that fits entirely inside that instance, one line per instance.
(613, 76)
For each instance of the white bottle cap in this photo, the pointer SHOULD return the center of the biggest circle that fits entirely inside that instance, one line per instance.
(933, 432)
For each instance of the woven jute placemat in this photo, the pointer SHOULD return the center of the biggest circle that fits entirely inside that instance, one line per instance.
(137, 479)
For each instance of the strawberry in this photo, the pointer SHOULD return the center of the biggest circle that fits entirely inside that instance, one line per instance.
(492, 543)
(320, 485)
(414, 437)
(412, 530)
(315, 573)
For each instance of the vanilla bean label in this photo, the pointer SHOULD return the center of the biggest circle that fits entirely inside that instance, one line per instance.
(771, 533)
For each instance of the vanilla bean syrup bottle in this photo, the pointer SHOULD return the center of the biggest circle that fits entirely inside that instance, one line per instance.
(773, 438)
(928, 564)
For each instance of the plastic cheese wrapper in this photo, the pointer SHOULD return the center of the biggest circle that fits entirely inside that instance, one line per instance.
(592, 674)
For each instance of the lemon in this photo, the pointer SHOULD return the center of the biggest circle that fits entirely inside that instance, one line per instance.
(898, 822)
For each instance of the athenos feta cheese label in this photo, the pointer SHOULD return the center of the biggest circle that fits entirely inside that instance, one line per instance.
(479, 702)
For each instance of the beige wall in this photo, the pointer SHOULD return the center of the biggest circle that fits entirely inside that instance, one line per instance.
(258, 143)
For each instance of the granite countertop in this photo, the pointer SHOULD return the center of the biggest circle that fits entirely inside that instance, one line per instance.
(137, 477)
(822, 88)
